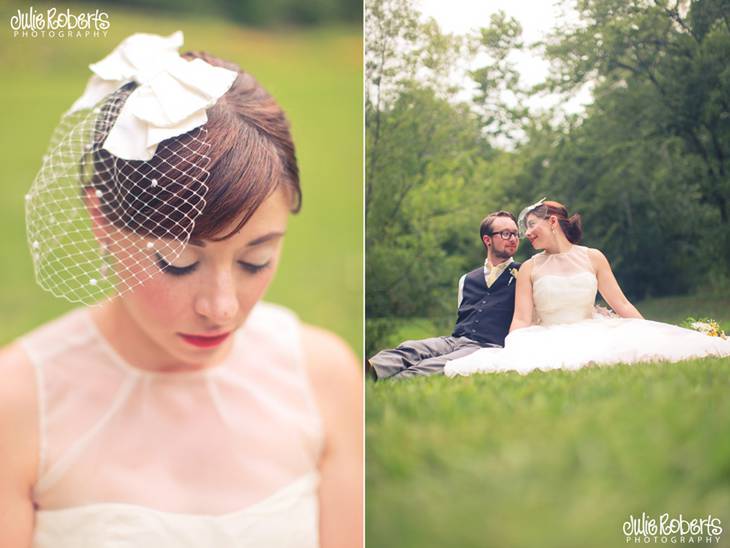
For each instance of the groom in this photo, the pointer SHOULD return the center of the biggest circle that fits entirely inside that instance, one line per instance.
(486, 304)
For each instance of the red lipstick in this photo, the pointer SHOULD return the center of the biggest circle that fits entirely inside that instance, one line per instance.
(204, 341)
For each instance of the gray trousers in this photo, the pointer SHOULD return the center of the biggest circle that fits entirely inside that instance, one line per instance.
(420, 357)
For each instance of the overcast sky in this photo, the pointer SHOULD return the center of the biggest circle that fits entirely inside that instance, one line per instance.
(537, 17)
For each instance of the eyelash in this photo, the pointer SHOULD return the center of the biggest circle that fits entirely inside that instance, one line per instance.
(253, 268)
(167, 268)
(184, 270)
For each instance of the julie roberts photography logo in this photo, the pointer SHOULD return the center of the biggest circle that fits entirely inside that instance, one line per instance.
(667, 529)
(55, 23)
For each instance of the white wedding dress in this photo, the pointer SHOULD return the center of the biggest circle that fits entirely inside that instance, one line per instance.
(568, 334)
(222, 457)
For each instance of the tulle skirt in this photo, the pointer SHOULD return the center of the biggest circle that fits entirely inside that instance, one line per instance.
(598, 341)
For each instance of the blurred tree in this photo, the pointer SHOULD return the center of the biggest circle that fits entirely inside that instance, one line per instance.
(499, 98)
(646, 163)
(662, 113)
(428, 176)
(425, 210)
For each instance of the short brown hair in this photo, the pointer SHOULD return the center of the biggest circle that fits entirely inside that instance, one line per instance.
(246, 148)
(485, 229)
(571, 226)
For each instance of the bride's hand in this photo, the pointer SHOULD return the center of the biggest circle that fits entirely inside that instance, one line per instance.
(605, 312)
(609, 289)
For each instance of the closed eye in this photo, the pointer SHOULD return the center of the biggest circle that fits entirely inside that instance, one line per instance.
(167, 268)
(254, 268)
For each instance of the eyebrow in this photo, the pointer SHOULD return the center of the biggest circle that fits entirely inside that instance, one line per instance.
(256, 241)
(265, 238)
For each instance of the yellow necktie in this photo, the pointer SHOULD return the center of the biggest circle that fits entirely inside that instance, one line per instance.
(492, 276)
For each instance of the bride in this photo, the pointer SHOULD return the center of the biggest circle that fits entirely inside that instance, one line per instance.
(555, 325)
(178, 408)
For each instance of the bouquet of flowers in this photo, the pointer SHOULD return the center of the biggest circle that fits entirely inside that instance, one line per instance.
(708, 326)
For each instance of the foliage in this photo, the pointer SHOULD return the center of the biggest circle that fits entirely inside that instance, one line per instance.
(661, 118)
(647, 164)
(423, 194)
(429, 173)
(499, 97)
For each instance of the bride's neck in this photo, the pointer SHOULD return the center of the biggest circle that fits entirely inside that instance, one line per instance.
(560, 244)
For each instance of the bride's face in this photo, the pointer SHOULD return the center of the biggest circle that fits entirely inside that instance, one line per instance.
(539, 231)
(192, 307)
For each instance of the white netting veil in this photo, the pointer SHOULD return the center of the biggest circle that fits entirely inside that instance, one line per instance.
(98, 224)
(124, 177)
(536, 209)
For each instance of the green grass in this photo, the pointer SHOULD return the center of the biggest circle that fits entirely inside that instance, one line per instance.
(316, 75)
(556, 459)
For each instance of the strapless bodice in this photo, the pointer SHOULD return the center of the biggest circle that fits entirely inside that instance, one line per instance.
(564, 299)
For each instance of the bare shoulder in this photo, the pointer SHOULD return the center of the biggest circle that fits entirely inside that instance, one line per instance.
(337, 381)
(18, 412)
(598, 259)
(337, 384)
(330, 361)
(593, 252)
(526, 267)
(17, 380)
(527, 264)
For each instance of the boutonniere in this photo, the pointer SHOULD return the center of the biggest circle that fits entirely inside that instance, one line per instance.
(514, 271)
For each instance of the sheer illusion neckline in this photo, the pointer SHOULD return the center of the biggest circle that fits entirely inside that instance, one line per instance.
(571, 248)
(120, 362)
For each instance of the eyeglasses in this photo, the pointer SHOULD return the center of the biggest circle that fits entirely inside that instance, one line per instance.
(507, 234)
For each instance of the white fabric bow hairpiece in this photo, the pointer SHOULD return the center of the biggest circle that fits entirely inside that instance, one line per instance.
(172, 97)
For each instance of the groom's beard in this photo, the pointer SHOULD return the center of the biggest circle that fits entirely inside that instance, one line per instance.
(504, 254)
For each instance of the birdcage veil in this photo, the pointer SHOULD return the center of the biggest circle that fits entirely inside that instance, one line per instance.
(538, 208)
(124, 176)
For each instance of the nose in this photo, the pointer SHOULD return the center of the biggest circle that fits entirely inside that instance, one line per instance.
(217, 299)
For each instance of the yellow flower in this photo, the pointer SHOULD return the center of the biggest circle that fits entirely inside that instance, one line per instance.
(708, 326)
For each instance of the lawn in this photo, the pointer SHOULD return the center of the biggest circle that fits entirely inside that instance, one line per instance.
(558, 459)
(316, 75)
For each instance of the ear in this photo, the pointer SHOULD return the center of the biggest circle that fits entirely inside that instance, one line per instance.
(486, 240)
(99, 224)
